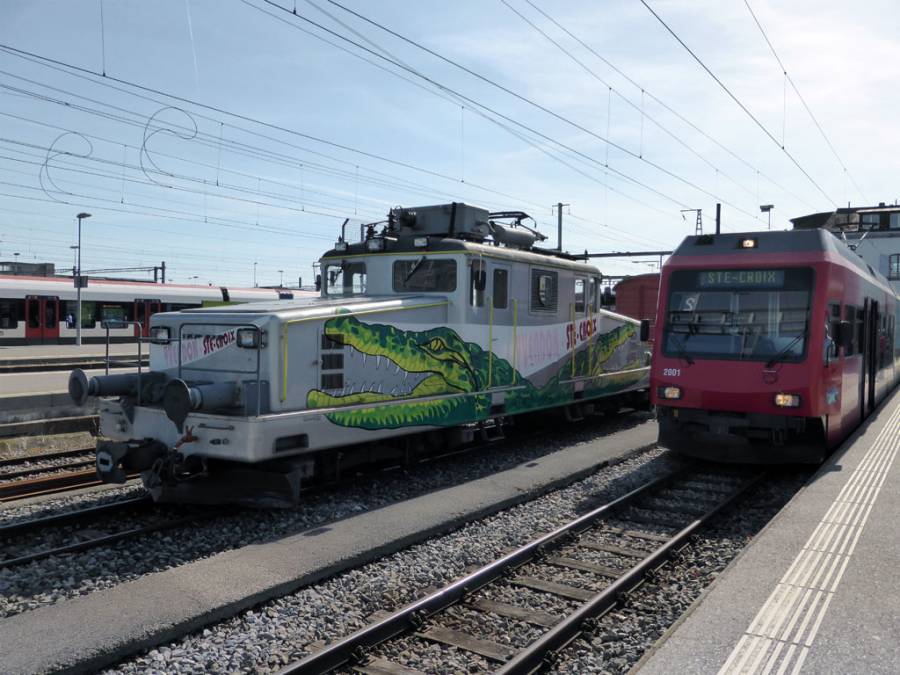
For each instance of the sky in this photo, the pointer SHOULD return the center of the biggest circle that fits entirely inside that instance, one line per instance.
(227, 136)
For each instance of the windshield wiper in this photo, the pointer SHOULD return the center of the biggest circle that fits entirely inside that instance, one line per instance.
(780, 355)
(414, 269)
(681, 348)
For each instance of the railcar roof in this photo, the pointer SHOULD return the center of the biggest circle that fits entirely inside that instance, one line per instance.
(789, 241)
(404, 246)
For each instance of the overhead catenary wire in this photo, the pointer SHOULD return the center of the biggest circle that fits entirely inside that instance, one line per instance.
(809, 111)
(734, 155)
(88, 75)
(740, 104)
(639, 108)
(511, 92)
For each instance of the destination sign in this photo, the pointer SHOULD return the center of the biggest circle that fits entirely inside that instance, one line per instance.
(741, 279)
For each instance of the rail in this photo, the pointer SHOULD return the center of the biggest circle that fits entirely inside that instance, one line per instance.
(356, 650)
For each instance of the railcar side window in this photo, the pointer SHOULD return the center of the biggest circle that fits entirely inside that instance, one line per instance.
(544, 290)
(425, 275)
(501, 288)
(34, 313)
(9, 313)
(579, 295)
(850, 317)
(477, 283)
(346, 278)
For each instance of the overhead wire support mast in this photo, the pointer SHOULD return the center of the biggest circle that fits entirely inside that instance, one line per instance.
(809, 111)
(739, 103)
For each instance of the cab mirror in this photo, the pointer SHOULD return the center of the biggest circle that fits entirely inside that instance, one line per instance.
(645, 330)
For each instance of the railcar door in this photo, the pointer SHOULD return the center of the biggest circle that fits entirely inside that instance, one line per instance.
(143, 310)
(863, 336)
(41, 318)
(870, 356)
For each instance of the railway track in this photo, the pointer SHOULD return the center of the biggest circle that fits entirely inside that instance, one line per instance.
(160, 518)
(14, 490)
(588, 566)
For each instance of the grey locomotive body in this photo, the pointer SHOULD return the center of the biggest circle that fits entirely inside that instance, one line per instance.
(445, 320)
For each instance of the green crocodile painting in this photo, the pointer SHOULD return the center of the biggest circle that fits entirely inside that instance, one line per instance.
(454, 374)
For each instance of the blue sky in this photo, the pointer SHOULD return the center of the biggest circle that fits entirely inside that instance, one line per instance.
(211, 194)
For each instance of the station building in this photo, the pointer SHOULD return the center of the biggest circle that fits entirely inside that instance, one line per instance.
(873, 231)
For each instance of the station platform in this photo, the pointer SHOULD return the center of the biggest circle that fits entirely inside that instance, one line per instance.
(40, 358)
(817, 591)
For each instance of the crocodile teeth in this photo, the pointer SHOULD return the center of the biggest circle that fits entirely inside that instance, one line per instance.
(377, 362)
(364, 358)
(394, 391)
(398, 369)
(406, 377)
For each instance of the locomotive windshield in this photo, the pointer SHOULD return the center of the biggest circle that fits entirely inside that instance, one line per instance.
(345, 278)
(752, 315)
(425, 275)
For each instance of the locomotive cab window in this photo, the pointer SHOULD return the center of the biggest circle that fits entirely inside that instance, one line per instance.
(345, 278)
(753, 315)
(501, 288)
(579, 295)
(477, 283)
(544, 290)
(424, 275)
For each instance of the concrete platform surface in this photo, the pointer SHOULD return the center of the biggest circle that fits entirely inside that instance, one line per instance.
(10, 352)
(55, 382)
(84, 634)
(818, 589)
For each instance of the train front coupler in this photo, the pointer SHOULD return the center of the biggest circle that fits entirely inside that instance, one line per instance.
(115, 460)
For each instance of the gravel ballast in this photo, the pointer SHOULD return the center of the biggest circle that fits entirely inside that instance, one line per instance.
(277, 632)
(56, 578)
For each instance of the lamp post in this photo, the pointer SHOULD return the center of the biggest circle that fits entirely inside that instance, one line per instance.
(16, 265)
(767, 208)
(254, 274)
(281, 279)
(78, 284)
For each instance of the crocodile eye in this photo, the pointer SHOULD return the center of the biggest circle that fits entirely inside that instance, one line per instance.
(436, 345)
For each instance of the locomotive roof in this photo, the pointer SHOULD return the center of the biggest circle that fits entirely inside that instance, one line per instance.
(787, 241)
(405, 246)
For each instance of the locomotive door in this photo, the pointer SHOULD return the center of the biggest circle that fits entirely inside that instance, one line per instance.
(41, 318)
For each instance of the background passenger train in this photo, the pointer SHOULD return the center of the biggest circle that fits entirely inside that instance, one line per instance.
(42, 310)
(771, 346)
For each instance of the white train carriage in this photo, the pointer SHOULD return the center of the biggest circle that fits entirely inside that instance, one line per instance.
(42, 310)
(425, 325)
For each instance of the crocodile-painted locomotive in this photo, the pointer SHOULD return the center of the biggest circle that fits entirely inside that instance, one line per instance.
(442, 321)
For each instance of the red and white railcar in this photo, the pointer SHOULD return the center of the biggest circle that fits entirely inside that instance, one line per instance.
(42, 310)
(770, 346)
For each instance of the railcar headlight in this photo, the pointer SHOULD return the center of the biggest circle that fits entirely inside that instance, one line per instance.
(787, 400)
(340, 246)
(748, 243)
(248, 338)
(420, 242)
(375, 244)
(160, 335)
(670, 393)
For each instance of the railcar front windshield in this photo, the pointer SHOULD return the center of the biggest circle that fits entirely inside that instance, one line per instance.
(746, 314)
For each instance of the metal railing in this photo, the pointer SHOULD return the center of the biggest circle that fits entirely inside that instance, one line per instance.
(122, 324)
